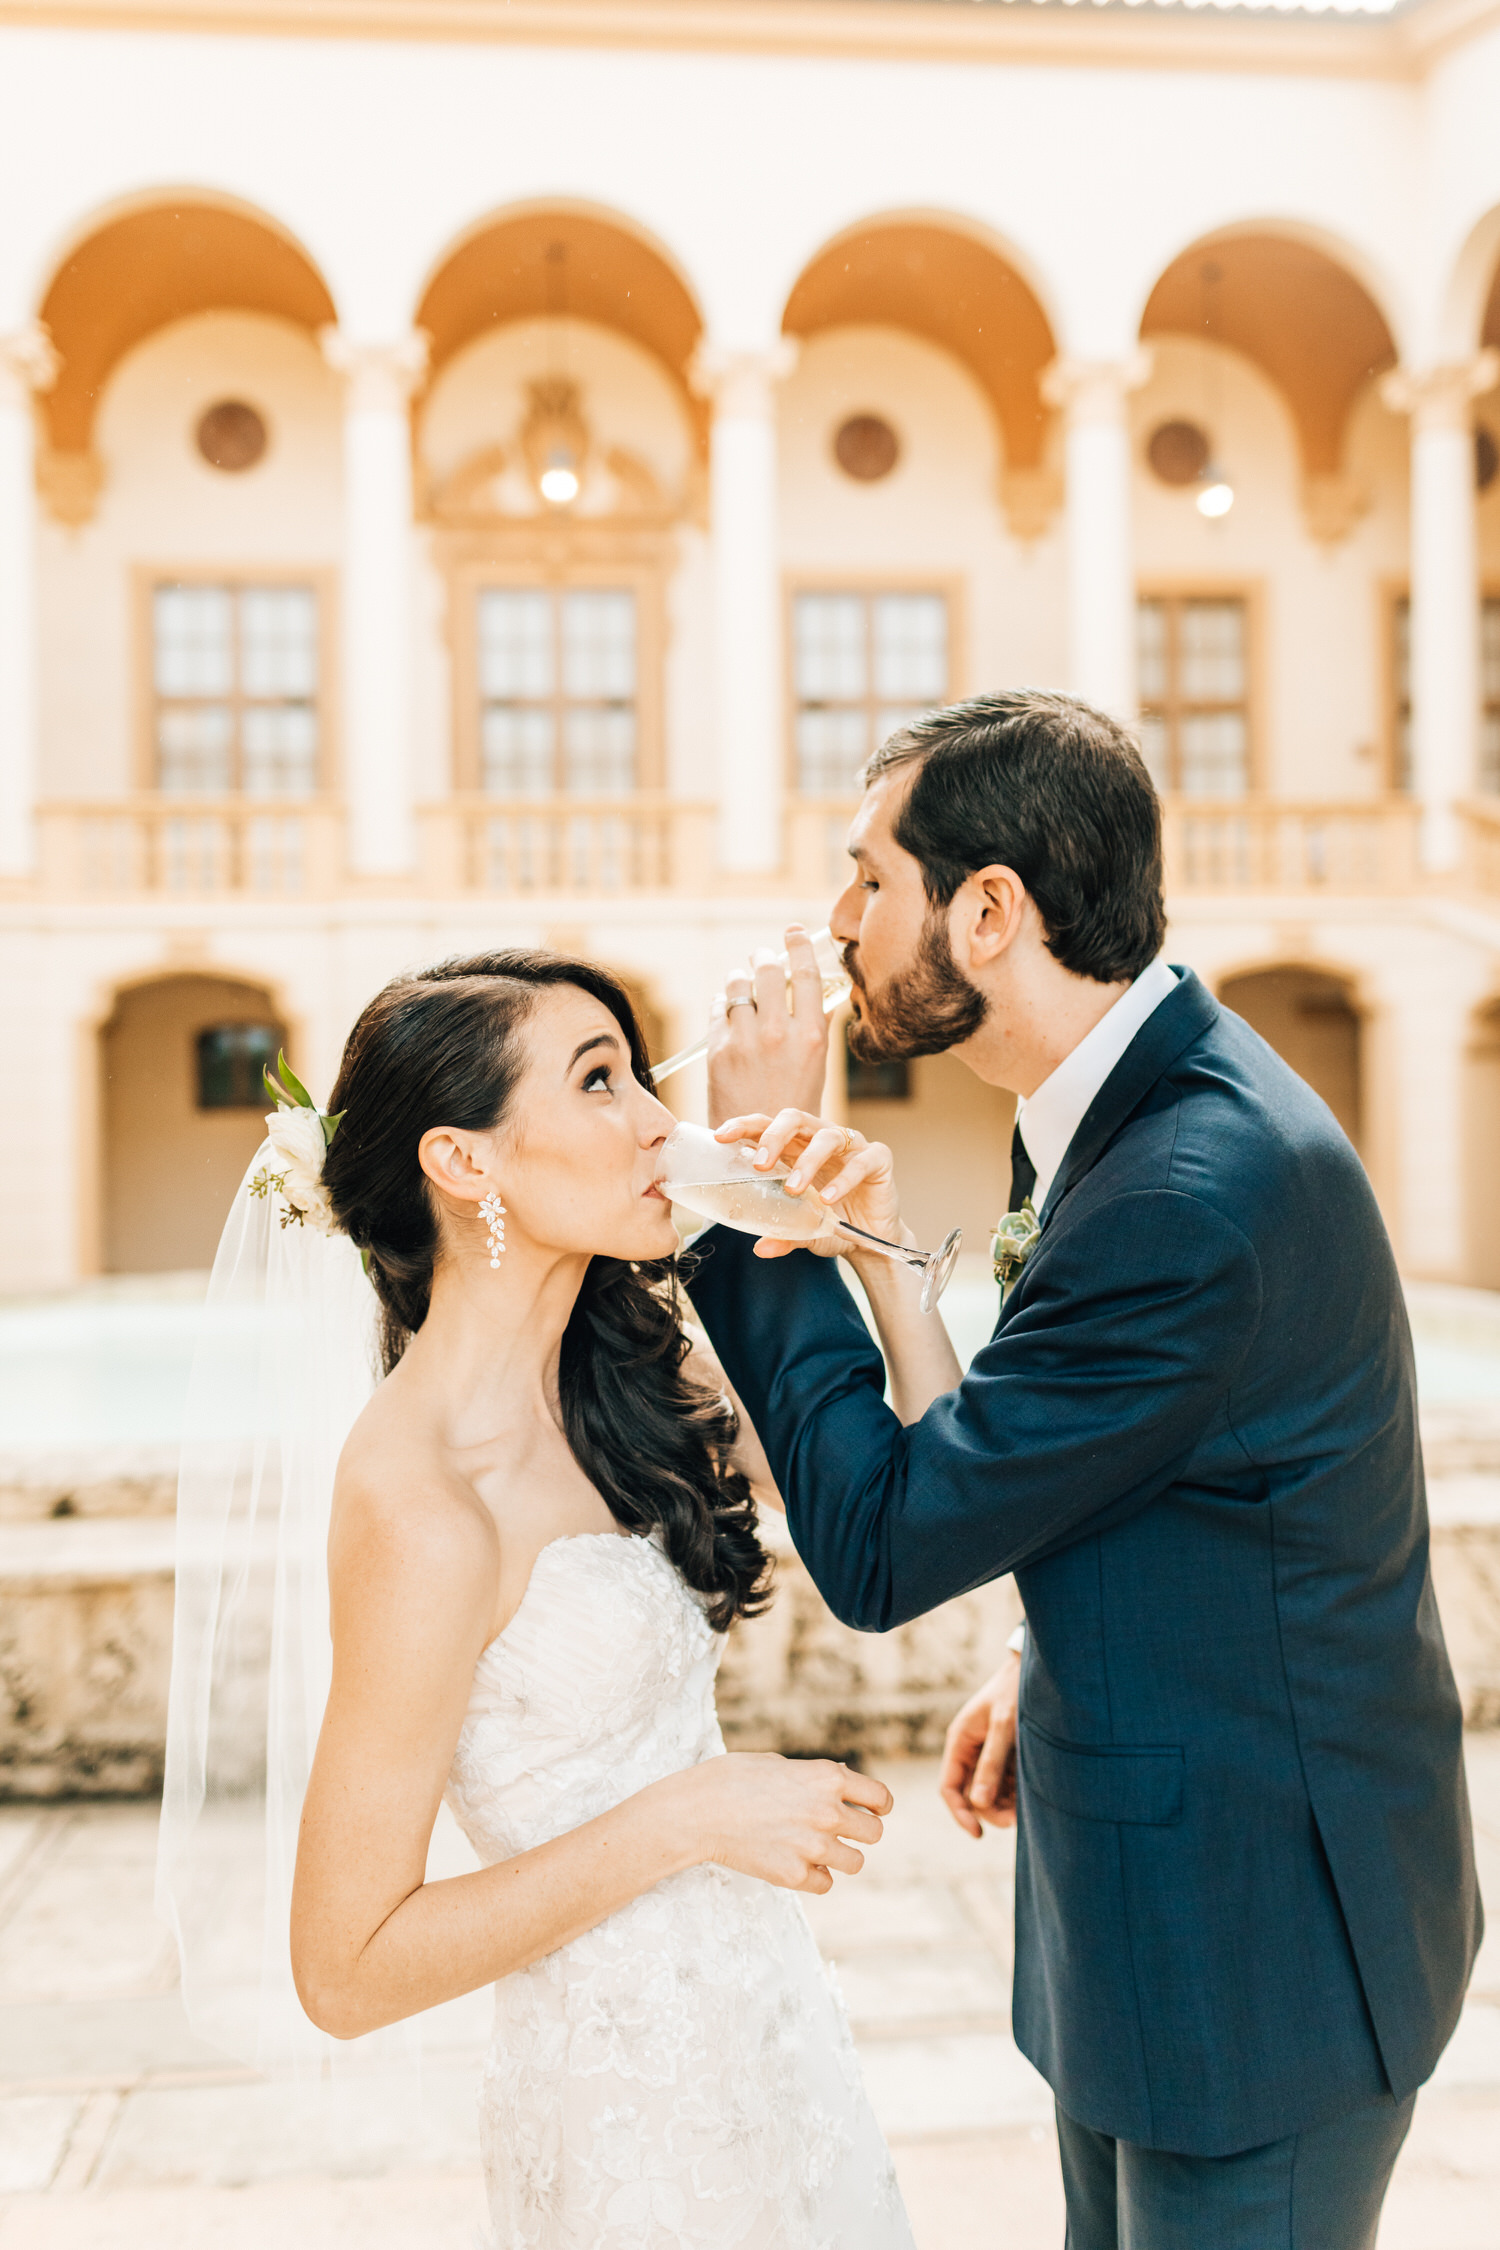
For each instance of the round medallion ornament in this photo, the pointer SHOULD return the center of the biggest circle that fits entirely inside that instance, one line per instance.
(1178, 452)
(1486, 458)
(231, 436)
(866, 448)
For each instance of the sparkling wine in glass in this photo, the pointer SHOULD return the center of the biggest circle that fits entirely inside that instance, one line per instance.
(720, 1181)
(830, 959)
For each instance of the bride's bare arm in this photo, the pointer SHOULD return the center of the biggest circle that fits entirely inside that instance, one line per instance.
(413, 1594)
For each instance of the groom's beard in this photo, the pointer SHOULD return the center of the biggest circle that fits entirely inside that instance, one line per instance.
(921, 1010)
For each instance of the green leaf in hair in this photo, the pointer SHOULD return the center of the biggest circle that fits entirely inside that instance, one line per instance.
(293, 1083)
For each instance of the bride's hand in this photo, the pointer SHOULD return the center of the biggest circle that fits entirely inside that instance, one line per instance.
(785, 1820)
(832, 1163)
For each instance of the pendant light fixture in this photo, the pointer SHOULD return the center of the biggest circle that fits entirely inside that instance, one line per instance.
(560, 479)
(1215, 495)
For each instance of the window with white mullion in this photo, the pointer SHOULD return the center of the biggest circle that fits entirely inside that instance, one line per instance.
(1193, 677)
(235, 690)
(863, 664)
(558, 691)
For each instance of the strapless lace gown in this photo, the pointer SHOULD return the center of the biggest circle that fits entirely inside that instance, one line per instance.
(682, 2077)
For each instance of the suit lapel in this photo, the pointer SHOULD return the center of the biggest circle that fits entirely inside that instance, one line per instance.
(1167, 1032)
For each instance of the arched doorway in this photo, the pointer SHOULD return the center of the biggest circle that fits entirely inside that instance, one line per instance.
(183, 1113)
(1482, 1150)
(1310, 1020)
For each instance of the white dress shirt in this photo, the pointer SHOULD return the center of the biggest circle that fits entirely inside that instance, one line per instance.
(1052, 1115)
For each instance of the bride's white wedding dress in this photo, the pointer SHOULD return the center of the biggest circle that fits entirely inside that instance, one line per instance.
(682, 2077)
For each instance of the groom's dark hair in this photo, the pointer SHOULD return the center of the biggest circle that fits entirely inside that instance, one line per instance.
(1056, 790)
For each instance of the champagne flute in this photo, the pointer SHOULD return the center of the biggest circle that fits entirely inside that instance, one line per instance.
(836, 987)
(720, 1181)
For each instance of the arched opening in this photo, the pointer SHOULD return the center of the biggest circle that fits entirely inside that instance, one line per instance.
(1308, 1016)
(1482, 1149)
(1305, 320)
(563, 262)
(183, 1113)
(141, 272)
(560, 445)
(951, 288)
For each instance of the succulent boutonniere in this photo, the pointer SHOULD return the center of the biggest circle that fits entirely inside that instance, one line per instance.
(1011, 1244)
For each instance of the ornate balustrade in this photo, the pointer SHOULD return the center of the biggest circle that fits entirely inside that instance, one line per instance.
(1361, 849)
(192, 847)
(583, 848)
(1215, 847)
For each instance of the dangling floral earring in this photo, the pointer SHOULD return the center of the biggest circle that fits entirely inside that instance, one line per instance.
(492, 1211)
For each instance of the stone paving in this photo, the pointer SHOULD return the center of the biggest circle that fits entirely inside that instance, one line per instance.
(118, 2130)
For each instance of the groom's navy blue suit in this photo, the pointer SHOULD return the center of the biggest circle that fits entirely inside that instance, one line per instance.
(1245, 1897)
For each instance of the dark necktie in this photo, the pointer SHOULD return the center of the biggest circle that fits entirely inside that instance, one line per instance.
(1022, 1171)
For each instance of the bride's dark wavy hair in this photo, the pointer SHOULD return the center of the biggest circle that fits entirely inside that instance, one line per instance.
(445, 1047)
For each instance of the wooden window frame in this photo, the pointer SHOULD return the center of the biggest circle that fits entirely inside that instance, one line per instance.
(641, 575)
(868, 584)
(322, 579)
(1489, 591)
(1393, 592)
(1250, 593)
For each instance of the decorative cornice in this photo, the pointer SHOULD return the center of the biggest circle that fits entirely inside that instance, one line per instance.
(1096, 390)
(29, 361)
(378, 376)
(1332, 504)
(742, 381)
(1327, 42)
(1439, 398)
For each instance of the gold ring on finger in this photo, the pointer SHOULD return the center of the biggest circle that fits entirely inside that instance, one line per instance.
(848, 1147)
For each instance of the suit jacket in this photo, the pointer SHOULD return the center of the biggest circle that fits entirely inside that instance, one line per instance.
(1245, 1892)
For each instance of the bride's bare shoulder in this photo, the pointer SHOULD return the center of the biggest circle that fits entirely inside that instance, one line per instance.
(405, 1526)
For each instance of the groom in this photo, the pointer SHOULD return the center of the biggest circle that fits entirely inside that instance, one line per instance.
(1245, 1897)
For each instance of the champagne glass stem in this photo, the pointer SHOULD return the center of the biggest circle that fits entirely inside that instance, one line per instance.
(680, 1061)
(920, 1259)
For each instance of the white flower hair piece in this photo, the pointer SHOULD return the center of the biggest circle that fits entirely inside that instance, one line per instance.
(301, 1134)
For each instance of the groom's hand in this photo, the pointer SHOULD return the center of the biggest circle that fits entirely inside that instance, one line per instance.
(768, 1036)
(978, 1781)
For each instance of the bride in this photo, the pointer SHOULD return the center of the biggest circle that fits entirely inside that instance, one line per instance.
(542, 1526)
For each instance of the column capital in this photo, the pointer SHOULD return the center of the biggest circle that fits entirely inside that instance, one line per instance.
(1097, 390)
(1438, 398)
(377, 376)
(29, 362)
(742, 382)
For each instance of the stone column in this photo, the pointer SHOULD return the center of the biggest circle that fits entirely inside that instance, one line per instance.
(28, 364)
(377, 596)
(749, 704)
(1444, 593)
(1094, 395)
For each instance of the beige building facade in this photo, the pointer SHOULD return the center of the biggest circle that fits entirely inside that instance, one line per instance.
(479, 474)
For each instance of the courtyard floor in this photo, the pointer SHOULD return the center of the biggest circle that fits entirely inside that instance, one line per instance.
(119, 2131)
